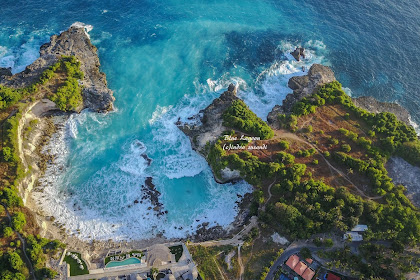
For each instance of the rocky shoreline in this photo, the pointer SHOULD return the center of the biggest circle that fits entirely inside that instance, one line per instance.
(72, 42)
(47, 119)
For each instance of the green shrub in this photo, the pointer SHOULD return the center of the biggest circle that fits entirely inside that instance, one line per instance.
(7, 154)
(7, 232)
(18, 221)
(346, 148)
(239, 116)
(284, 145)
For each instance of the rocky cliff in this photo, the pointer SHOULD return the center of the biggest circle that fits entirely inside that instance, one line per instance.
(302, 86)
(207, 125)
(73, 42)
(319, 75)
(374, 106)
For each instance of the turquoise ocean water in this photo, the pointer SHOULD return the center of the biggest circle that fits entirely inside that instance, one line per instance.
(167, 60)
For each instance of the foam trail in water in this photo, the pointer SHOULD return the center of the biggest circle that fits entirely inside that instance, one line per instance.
(103, 205)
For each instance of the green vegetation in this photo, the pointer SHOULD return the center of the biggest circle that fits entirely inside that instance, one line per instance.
(240, 117)
(303, 206)
(18, 221)
(327, 242)
(177, 251)
(75, 266)
(394, 137)
(12, 266)
(204, 257)
(68, 97)
(284, 145)
(374, 262)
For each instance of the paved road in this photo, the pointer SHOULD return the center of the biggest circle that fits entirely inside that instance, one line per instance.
(292, 249)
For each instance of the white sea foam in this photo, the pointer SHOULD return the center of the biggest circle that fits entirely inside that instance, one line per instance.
(414, 125)
(86, 27)
(102, 206)
(347, 91)
(19, 57)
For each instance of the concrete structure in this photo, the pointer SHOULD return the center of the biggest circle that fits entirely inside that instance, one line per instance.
(360, 228)
(191, 274)
(159, 255)
(354, 236)
(169, 277)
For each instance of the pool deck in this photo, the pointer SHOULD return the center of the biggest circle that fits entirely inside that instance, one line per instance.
(185, 263)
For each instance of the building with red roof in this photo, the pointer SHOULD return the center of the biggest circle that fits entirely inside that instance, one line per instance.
(292, 261)
(300, 268)
(308, 274)
(330, 276)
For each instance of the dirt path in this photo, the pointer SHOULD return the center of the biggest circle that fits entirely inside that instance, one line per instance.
(241, 265)
(286, 134)
(269, 194)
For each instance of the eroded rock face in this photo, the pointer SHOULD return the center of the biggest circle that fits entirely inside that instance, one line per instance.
(298, 53)
(208, 123)
(302, 86)
(73, 42)
(5, 72)
(374, 106)
(207, 126)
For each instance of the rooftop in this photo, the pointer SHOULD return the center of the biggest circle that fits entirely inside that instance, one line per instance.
(292, 261)
(308, 274)
(300, 268)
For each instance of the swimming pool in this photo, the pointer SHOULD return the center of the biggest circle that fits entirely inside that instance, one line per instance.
(124, 262)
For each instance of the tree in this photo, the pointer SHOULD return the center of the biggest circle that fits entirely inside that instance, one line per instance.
(7, 232)
(346, 148)
(284, 145)
(15, 261)
(305, 253)
(154, 272)
(18, 221)
(7, 154)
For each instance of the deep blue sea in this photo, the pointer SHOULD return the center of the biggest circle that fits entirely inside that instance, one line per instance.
(167, 60)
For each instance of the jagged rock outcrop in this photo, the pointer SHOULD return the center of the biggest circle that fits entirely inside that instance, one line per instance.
(5, 72)
(73, 42)
(298, 53)
(374, 106)
(302, 86)
(207, 126)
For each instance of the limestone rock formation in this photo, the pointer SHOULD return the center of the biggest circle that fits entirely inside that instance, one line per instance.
(208, 123)
(374, 106)
(302, 86)
(73, 42)
(5, 72)
(298, 53)
(207, 126)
